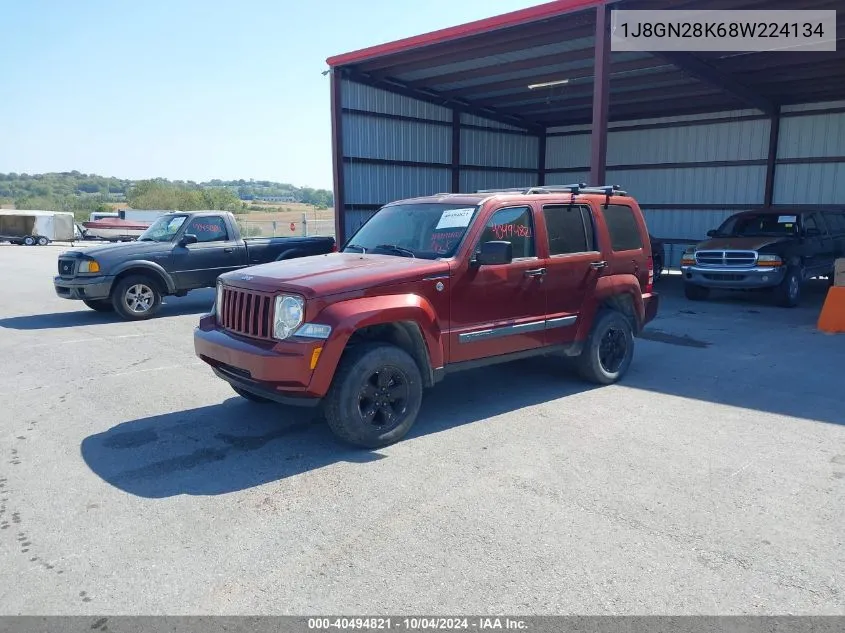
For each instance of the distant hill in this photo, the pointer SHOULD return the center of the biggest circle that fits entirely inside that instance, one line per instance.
(83, 193)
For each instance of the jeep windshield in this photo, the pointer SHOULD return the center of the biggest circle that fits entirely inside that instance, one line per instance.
(163, 229)
(425, 230)
(756, 225)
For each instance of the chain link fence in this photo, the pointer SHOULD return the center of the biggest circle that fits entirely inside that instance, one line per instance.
(286, 228)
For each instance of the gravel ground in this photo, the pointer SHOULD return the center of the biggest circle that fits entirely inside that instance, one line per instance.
(132, 481)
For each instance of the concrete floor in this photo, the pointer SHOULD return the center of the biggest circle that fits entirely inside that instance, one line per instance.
(132, 481)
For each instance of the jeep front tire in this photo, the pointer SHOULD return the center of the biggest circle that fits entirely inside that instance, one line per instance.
(608, 350)
(375, 396)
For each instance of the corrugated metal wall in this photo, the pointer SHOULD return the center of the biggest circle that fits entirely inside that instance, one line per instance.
(806, 138)
(683, 169)
(689, 173)
(393, 147)
(396, 147)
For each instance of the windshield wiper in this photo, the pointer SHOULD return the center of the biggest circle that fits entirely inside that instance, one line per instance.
(363, 250)
(395, 249)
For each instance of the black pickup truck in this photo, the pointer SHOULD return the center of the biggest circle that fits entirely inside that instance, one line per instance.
(179, 252)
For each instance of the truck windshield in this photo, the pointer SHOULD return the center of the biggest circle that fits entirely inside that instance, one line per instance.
(759, 224)
(163, 229)
(426, 230)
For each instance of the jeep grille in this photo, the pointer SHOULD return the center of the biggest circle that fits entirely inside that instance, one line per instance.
(247, 313)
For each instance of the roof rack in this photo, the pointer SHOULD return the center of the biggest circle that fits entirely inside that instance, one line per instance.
(574, 189)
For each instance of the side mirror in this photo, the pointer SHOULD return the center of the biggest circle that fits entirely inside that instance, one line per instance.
(812, 232)
(494, 253)
(188, 238)
(712, 233)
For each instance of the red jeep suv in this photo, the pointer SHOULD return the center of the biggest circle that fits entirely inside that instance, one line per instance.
(433, 285)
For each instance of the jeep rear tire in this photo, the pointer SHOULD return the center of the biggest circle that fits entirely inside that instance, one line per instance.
(375, 396)
(788, 291)
(608, 350)
(100, 305)
(136, 297)
(243, 393)
(696, 293)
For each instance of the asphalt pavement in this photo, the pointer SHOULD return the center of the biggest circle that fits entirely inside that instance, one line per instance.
(132, 481)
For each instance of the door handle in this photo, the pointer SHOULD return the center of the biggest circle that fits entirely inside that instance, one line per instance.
(598, 265)
(536, 272)
(228, 250)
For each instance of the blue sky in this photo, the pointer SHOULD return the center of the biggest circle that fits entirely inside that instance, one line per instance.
(190, 89)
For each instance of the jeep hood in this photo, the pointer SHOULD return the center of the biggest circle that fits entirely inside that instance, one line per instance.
(752, 243)
(333, 273)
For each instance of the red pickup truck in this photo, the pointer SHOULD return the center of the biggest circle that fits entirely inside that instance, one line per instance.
(432, 285)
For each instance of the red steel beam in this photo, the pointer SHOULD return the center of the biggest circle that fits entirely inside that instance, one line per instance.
(598, 137)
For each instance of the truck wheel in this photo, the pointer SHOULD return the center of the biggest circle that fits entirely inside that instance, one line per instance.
(696, 293)
(136, 298)
(243, 393)
(375, 396)
(29, 241)
(788, 292)
(43, 241)
(608, 350)
(100, 305)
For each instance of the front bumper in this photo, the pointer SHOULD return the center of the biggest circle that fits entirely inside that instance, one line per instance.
(733, 278)
(279, 371)
(83, 287)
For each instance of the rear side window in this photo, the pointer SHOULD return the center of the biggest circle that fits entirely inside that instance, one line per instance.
(208, 229)
(623, 228)
(514, 226)
(567, 231)
(811, 224)
(836, 222)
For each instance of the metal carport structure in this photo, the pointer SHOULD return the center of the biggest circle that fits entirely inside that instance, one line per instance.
(694, 137)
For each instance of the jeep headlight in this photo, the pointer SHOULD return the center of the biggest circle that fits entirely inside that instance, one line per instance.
(287, 315)
(89, 266)
(218, 303)
(688, 258)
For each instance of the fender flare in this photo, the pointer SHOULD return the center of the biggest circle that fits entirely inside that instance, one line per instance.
(347, 317)
(149, 267)
(625, 287)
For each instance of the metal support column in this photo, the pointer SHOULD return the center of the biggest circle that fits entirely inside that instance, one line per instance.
(337, 156)
(771, 159)
(456, 151)
(598, 136)
(541, 159)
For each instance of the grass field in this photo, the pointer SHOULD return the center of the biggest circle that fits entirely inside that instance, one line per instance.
(285, 215)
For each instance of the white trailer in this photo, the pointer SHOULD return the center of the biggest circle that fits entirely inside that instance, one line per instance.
(141, 215)
(32, 228)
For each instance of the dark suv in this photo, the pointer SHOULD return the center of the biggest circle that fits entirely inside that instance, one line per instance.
(769, 249)
(430, 286)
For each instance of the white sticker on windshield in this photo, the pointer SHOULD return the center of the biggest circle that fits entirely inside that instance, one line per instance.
(787, 219)
(453, 218)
